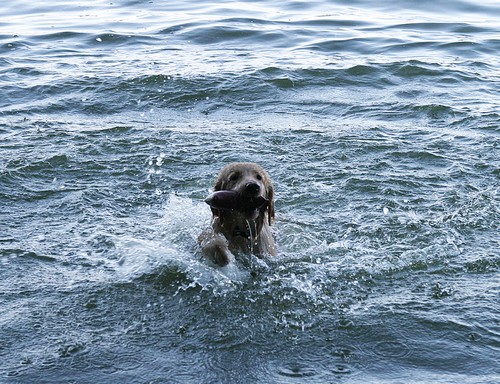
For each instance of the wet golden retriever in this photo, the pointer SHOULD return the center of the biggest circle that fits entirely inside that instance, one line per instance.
(244, 228)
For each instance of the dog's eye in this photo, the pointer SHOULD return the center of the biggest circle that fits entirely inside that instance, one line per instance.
(259, 177)
(234, 176)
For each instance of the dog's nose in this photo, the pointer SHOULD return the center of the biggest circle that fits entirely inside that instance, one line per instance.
(252, 188)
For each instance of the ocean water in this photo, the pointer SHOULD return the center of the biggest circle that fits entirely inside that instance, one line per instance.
(379, 123)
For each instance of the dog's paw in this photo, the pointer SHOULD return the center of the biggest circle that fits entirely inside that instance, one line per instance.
(221, 258)
(216, 249)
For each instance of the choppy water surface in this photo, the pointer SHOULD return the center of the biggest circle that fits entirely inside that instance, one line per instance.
(379, 123)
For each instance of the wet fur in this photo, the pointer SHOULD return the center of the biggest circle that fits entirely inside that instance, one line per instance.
(235, 231)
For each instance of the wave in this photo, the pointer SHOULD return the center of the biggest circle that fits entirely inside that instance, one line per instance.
(319, 90)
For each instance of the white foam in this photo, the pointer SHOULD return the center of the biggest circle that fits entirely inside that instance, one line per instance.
(174, 244)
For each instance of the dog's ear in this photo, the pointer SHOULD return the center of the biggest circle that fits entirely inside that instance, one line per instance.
(219, 185)
(221, 181)
(270, 205)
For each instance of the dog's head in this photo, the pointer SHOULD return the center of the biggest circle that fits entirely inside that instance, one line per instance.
(250, 180)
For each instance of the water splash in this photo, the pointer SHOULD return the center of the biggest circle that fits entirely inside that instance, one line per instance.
(173, 245)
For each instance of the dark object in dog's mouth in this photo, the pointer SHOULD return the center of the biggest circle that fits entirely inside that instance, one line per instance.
(226, 199)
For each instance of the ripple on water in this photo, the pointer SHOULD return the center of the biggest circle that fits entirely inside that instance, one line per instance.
(309, 366)
(296, 370)
(392, 349)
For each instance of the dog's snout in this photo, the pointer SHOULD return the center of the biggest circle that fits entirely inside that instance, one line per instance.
(252, 188)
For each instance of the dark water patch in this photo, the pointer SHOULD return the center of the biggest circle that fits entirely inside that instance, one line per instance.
(11, 46)
(296, 370)
(168, 278)
(446, 6)
(441, 362)
(469, 49)
(117, 40)
(333, 23)
(69, 45)
(362, 70)
(171, 30)
(423, 157)
(392, 349)
(59, 36)
(489, 264)
(25, 166)
(416, 69)
(224, 34)
(433, 112)
(432, 26)
(487, 123)
(350, 45)
(73, 349)
(20, 253)
(15, 72)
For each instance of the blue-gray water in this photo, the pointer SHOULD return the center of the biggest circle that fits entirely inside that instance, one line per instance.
(379, 123)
